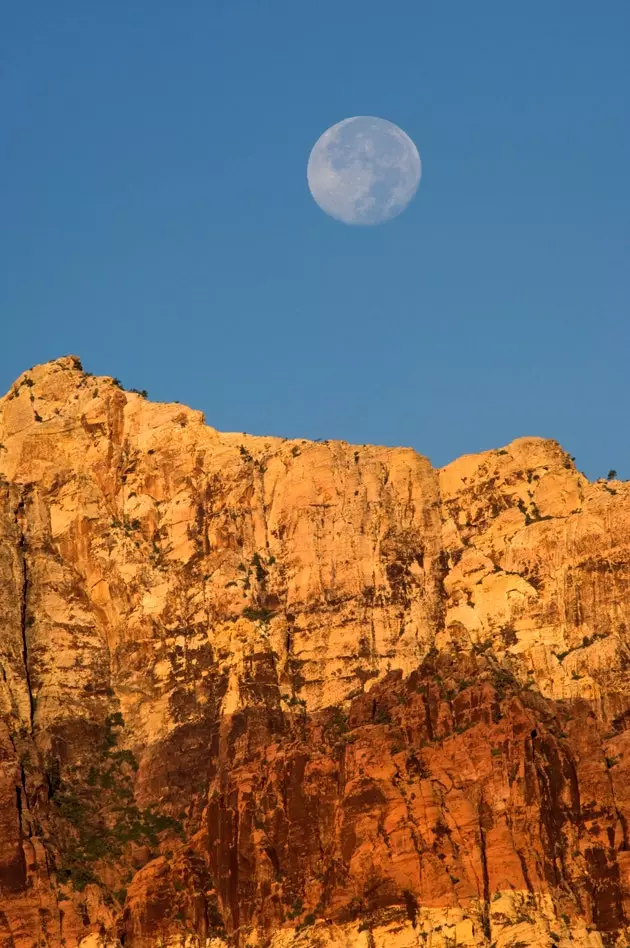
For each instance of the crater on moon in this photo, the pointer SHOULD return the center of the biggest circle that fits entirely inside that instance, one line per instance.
(364, 170)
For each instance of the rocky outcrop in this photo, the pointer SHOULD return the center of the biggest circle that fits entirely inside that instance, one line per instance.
(257, 692)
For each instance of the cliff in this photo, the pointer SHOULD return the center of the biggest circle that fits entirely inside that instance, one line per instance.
(260, 692)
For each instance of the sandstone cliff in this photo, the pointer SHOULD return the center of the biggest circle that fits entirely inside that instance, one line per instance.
(267, 692)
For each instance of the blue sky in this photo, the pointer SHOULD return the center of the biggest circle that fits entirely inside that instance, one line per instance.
(155, 217)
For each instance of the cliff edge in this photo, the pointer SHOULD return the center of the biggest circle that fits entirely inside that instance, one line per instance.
(269, 692)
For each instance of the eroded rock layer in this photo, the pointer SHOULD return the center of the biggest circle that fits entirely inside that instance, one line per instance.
(266, 692)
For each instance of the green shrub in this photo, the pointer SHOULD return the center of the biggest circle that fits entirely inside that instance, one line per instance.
(261, 572)
(382, 716)
(258, 615)
(100, 822)
(339, 720)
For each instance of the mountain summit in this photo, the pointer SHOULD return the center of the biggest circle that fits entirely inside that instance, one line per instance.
(269, 692)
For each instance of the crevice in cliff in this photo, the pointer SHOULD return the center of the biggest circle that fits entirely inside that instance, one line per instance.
(519, 853)
(485, 907)
(427, 716)
(18, 803)
(623, 823)
(5, 928)
(624, 829)
(413, 825)
(24, 592)
(25, 655)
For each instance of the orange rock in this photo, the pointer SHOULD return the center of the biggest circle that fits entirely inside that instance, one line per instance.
(268, 692)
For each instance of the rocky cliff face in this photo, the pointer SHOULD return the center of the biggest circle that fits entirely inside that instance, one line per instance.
(259, 692)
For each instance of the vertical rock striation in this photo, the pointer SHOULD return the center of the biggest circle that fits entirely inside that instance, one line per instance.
(266, 692)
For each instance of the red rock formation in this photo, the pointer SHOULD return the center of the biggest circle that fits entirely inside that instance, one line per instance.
(267, 692)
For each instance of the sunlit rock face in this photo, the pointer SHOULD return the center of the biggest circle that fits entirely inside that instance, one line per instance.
(267, 692)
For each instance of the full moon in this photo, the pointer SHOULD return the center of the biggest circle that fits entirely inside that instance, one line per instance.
(363, 170)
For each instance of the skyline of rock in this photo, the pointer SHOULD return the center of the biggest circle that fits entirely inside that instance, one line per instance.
(271, 691)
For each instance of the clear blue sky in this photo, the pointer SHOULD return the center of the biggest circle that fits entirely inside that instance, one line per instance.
(155, 217)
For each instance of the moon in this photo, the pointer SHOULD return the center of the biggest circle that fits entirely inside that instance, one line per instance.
(363, 170)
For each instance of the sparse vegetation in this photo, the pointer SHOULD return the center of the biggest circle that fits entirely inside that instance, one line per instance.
(261, 572)
(293, 700)
(258, 615)
(586, 641)
(296, 909)
(382, 716)
(96, 824)
(339, 721)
